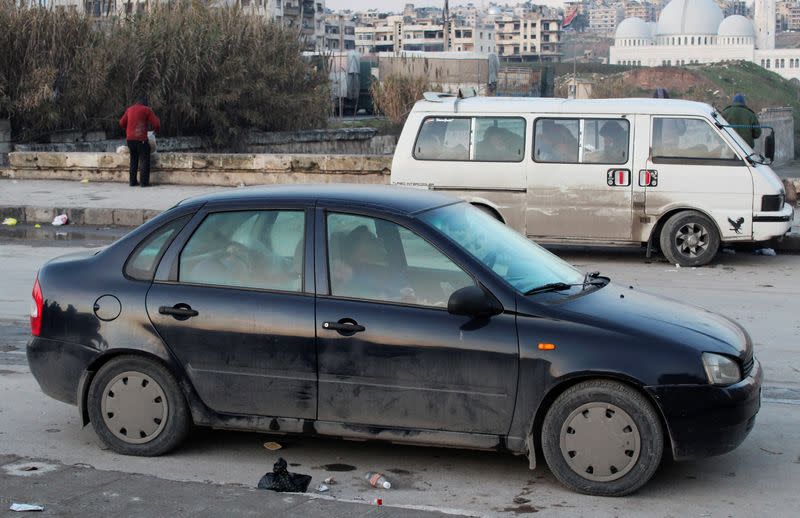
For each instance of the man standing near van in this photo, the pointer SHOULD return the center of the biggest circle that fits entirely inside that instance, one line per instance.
(135, 122)
(743, 120)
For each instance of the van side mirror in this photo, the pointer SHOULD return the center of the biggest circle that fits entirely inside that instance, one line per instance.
(473, 301)
(769, 146)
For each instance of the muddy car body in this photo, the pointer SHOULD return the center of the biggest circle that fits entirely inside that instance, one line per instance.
(467, 334)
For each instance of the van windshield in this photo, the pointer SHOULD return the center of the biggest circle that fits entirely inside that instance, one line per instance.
(520, 262)
(748, 151)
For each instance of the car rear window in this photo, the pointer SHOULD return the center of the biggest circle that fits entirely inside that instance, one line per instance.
(141, 264)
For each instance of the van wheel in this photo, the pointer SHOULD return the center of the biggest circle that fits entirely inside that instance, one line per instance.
(689, 238)
(137, 408)
(602, 438)
(489, 211)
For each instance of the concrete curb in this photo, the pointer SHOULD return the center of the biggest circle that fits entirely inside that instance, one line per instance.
(80, 215)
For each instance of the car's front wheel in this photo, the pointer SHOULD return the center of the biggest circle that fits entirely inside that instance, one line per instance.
(689, 238)
(602, 438)
(136, 407)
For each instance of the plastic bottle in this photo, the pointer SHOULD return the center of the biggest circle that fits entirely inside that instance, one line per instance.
(375, 479)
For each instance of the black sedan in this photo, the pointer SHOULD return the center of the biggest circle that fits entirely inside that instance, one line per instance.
(384, 313)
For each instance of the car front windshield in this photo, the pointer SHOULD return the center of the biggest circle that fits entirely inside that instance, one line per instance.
(733, 134)
(520, 262)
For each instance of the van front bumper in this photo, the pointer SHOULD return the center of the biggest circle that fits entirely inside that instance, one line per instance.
(706, 420)
(769, 225)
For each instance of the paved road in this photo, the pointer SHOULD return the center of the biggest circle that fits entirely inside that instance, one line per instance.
(759, 478)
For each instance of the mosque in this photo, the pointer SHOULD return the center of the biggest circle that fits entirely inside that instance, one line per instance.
(696, 31)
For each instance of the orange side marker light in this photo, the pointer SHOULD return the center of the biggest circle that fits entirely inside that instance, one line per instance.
(547, 347)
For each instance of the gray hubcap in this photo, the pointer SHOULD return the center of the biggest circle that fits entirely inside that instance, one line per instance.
(134, 407)
(692, 239)
(600, 442)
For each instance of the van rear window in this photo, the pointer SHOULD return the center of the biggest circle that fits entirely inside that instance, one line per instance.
(477, 139)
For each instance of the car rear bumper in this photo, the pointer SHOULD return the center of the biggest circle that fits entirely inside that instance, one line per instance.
(57, 366)
(705, 420)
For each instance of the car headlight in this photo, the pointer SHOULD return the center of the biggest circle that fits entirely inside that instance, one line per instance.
(721, 370)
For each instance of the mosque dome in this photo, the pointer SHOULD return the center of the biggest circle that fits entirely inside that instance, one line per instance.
(737, 25)
(634, 28)
(681, 17)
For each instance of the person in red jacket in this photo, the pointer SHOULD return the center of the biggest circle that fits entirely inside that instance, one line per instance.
(136, 121)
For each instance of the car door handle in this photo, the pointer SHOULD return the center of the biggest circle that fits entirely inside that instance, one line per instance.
(179, 311)
(344, 326)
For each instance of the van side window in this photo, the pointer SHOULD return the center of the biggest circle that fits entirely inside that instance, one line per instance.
(677, 140)
(499, 139)
(556, 140)
(443, 139)
(582, 141)
(478, 139)
(605, 141)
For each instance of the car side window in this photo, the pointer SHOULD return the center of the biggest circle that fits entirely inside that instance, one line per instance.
(556, 140)
(249, 249)
(443, 138)
(141, 265)
(682, 138)
(375, 259)
(477, 139)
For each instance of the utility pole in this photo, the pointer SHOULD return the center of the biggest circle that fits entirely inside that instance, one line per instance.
(446, 25)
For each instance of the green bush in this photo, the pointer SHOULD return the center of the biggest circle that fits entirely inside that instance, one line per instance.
(208, 72)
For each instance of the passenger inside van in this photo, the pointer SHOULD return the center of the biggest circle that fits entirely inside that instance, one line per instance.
(499, 145)
(615, 143)
(556, 143)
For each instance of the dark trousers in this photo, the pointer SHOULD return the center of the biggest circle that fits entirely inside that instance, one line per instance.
(140, 155)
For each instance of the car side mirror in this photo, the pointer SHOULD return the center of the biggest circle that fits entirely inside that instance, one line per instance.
(473, 301)
(769, 146)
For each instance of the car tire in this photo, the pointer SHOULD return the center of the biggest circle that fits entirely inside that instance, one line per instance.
(137, 407)
(689, 238)
(602, 438)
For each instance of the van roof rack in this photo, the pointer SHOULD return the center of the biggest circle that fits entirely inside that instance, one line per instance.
(463, 93)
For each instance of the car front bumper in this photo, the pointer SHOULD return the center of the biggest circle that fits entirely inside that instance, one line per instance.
(58, 366)
(769, 225)
(706, 420)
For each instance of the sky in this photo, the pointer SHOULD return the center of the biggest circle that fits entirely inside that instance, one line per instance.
(397, 5)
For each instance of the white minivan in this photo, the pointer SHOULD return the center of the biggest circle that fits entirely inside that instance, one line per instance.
(664, 173)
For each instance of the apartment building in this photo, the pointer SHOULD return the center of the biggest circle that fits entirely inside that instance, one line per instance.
(603, 19)
(640, 9)
(528, 36)
(340, 32)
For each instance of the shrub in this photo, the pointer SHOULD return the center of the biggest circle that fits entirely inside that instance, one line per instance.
(395, 96)
(209, 72)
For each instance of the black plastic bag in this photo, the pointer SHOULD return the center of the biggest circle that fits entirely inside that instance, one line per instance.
(282, 481)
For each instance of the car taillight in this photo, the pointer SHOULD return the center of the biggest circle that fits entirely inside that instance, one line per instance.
(36, 309)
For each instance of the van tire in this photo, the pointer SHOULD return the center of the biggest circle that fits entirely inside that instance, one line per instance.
(489, 211)
(689, 238)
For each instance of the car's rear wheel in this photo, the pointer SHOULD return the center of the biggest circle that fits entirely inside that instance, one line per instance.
(137, 408)
(602, 438)
(689, 238)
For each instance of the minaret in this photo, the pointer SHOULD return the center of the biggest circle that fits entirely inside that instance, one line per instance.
(764, 19)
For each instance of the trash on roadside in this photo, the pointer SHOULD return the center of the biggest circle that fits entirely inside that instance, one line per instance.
(59, 220)
(282, 481)
(330, 481)
(729, 251)
(10, 222)
(377, 501)
(677, 265)
(123, 150)
(322, 488)
(375, 479)
(85, 180)
(272, 446)
(765, 251)
(521, 500)
(37, 226)
(23, 508)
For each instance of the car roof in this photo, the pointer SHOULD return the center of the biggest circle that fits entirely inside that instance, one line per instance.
(405, 200)
(537, 105)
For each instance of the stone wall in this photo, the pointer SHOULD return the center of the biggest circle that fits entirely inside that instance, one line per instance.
(5, 141)
(782, 121)
(204, 168)
(349, 141)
